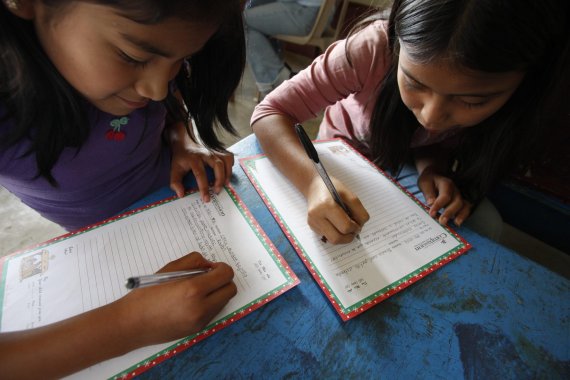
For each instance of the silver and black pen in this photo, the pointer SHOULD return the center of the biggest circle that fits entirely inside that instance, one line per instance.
(159, 278)
(314, 156)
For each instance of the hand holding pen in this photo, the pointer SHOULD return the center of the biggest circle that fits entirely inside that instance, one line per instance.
(335, 227)
(175, 308)
(160, 278)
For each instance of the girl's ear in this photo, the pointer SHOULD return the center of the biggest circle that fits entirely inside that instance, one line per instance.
(22, 8)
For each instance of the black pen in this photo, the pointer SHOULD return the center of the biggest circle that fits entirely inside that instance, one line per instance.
(159, 278)
(314, 156)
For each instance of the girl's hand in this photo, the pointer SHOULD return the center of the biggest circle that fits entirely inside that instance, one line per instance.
(328, 219)
(173, 310)
(193, 157)
(146, 316)
(440, 192)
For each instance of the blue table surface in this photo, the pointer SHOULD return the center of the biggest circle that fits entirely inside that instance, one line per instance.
(488, 314)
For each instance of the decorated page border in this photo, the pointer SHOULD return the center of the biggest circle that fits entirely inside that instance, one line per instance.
(348, 312)
(138, 368)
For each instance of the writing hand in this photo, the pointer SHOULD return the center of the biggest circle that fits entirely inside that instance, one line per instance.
(145, 316)
(328, 219)
(441, 193)
(176, 309)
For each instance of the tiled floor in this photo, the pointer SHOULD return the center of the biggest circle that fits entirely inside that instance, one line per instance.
(21, 227)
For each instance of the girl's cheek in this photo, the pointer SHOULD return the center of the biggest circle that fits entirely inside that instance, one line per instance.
(410, 101)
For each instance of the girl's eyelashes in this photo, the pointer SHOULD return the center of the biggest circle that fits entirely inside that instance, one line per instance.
(132, 61)
(473, 104)
(412, 84)
(142, 63)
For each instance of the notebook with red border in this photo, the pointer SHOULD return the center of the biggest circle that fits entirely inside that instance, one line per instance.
(104, 252)
(398, 246)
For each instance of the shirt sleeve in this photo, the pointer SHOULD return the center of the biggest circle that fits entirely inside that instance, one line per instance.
(345, 68)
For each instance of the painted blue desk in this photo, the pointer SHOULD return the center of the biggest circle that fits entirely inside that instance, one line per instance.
(490, 314)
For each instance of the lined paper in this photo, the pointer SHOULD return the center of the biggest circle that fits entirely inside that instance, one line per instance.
(84, 271)
(398, 242)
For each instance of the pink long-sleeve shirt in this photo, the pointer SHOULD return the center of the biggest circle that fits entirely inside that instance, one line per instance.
(347, 91)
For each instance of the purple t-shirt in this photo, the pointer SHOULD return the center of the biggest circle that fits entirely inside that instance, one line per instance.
(123, 160)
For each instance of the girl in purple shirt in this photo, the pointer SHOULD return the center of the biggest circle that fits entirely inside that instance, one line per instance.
(95, 98)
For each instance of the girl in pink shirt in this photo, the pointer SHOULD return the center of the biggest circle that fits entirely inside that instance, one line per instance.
(455, 87)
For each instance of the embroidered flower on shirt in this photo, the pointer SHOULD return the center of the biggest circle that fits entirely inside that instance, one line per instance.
(115, 133)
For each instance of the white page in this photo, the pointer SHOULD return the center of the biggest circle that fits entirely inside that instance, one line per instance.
(399, 239)
(89, 270)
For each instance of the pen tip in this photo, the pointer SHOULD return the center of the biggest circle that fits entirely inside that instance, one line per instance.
(131, 282)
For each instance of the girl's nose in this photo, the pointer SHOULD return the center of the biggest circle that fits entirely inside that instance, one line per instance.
(434, 111)
(153, 82)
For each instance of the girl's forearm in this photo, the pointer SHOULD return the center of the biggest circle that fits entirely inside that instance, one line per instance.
(66, 347)
(281, 144)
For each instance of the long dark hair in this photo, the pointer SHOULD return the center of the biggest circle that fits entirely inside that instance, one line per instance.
(481, 35)
(46, 109)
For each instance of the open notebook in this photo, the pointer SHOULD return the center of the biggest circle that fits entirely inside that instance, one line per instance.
(399, 245)
(80, 271)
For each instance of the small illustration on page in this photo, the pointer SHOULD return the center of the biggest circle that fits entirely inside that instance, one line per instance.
(339, 149)
(36, 263)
